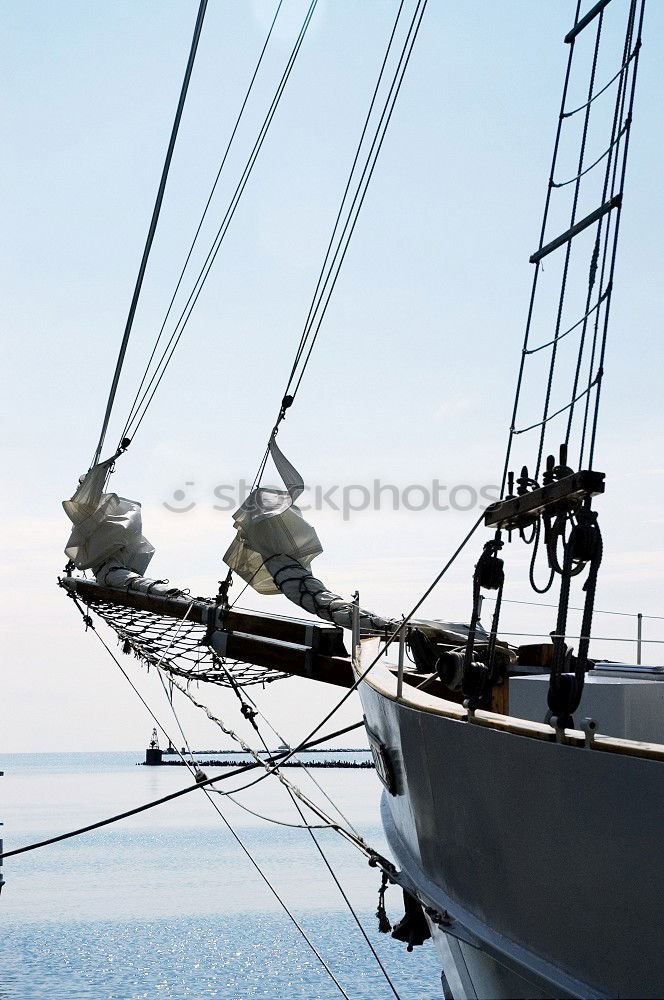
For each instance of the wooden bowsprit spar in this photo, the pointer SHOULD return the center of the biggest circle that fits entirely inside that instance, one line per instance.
(193, 637)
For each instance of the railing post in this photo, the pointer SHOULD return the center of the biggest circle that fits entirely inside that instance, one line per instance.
(639, 632)
(402, 644)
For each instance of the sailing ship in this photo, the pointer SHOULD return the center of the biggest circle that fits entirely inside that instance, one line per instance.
(506, 771)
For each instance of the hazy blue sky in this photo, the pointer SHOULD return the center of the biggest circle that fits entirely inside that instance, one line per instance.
(413, 377)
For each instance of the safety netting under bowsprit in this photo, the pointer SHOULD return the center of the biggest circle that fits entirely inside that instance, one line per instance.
(178, 646)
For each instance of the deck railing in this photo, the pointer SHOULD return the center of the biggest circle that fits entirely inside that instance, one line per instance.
(651, 648)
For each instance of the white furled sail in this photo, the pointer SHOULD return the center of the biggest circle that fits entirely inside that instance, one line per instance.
(269, 524)
(274, 547)
(107, 535)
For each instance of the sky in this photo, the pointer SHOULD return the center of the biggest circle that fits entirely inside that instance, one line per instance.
(412, 380)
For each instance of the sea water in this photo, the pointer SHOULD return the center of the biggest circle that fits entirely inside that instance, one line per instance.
(167, 905)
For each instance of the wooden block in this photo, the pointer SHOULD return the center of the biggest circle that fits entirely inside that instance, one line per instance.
(538, 655)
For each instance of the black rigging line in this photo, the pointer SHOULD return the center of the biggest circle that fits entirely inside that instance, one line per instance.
(393, 95)
(579, 322)
(388, 642)
(568, 249)
(619, 614)
(617, 132)
(201, 782)
(277, 896)
(231, 773)
(568, 406)
(327, 281)
(533, 291)
(314, 299)
(598, 93)
(281, 757)
(617, 227)
(254, 863)
(605, 245)
(345, 898)
(153, 226)
(241, 695)
(204, 214)
(148, 395)
(586, 170)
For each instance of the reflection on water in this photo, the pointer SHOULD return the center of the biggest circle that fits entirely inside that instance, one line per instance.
(229, 957)
(165, 905)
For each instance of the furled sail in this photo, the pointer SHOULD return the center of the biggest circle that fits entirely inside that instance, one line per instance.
(107, 534)
(274, 547)
(273, 550)
(269, 524)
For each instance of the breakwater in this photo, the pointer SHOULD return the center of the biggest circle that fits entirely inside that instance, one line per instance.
(237, 761)
(235, 753)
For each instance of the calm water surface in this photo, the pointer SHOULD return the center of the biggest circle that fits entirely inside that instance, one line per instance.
(166, 904)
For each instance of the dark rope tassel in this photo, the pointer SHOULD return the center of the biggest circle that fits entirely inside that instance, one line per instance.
(384, 925)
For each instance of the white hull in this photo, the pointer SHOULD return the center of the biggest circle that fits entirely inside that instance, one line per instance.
(544, 860)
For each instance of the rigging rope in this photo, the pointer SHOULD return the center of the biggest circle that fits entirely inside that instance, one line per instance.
(307, 770)
(204, 783)
(586, 315)
(196, 771)
(617, 225)
(568, 249)
(351, 835)
(272, 765)
(153, 226)
(586, 170)
(620, 614)
(261, 873)
(293, 791)
(573, 523)
(349, 209)
(533, 292)
(140, 410)
(337, 221)
(324, 857)
(603, 255)
(203, 216)
(611, 167)
(347, 901)
(279, 899)
(598, 93)
(389, 639)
